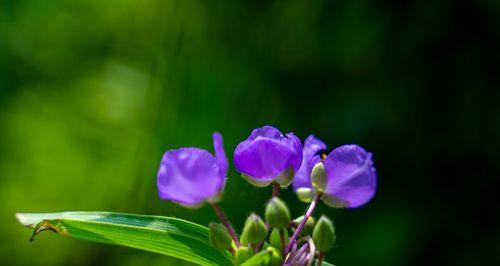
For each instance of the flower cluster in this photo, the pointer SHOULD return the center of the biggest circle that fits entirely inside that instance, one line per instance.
(345, 178)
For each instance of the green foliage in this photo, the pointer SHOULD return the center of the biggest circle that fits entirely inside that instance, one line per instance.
(164, 235)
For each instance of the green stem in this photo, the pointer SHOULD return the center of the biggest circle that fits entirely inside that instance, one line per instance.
(282, 239)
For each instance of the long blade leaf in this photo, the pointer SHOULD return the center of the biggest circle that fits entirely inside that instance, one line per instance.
(169, 236)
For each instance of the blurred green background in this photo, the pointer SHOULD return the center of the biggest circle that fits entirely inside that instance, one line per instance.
(93, 92)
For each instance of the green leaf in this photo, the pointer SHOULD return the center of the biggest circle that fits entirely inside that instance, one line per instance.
(169, 236)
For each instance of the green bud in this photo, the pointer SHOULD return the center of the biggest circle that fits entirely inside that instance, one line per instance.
(308, 227)
(242, 254)
(275, 238)
(219, 236)
(324, 234)
(318, 177)
(286, 177)
(254, 231)
(277, 213)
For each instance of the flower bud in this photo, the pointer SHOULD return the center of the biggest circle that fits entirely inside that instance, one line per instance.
(277, 213)
(324, 234)
(242, 254)
(308, 227)
(275, 238)
(254, 231)
(318, 177)
(219, 236)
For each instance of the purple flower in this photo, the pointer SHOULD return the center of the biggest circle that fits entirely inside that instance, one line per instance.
(350, 181)
(268, 155)
(312, 146)
(351, 177)
(190, 176)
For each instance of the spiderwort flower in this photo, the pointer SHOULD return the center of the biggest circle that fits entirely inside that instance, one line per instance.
(268, 155)
(191, 176)
(350, 178)
(346, 177)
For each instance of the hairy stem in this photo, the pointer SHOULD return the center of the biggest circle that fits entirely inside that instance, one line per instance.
(225, 222)
(308, 214)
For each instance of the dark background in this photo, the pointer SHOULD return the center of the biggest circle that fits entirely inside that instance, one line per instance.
(93, 92)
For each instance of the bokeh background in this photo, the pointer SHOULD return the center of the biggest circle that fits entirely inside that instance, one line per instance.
(93, 92)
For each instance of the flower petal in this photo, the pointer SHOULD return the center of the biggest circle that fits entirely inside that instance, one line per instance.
(312, 145)
(189, 176)
(266, 132)
(351, 177)
(220, 154)
(296, 159)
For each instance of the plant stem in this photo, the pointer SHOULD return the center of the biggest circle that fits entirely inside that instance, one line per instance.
(320, 258)
(276, 189)
(308, 214)
(282, 239)
(225, 222)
